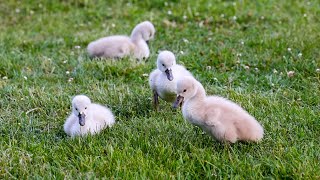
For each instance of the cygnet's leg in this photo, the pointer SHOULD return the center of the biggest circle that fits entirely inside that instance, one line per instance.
(145, 59)
(156, 100)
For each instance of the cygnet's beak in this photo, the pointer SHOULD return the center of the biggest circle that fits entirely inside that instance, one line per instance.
(169, 74)
(82, 118)
(178, 102)
(147, 42)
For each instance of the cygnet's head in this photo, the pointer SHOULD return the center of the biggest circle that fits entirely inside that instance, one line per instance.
(186, 89)
(80, 104)
(144, 30)
(165, 61)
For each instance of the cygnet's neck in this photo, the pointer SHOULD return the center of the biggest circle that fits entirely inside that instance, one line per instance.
(193, 108)
(141, 47)
(136, 37)
(200, 95)
(139, 42)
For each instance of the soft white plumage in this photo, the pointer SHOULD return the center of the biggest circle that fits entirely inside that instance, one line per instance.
(163, 79)
(120, 46)
(219, 117)
(87, 117)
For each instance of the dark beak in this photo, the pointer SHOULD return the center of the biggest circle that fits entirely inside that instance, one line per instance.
(147, 42)
(82, 119)
(178, 102)
(169, 74)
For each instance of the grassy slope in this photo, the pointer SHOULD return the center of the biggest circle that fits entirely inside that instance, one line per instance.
(37, 42)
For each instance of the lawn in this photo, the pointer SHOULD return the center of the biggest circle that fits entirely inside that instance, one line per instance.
(263, 55)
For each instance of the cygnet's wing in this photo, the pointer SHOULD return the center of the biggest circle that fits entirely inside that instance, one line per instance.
(102, 115)
(153, 78)
(212, 116)
(71, 120)
(219, 109)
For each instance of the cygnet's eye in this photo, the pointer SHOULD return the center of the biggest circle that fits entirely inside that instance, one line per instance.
(184, 90)
(76, 109)
(85, 108)
(163, 65)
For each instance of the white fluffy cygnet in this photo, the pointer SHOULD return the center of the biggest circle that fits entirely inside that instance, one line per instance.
(219, 117)
(120, 46)
(163, 80)
(87, 117)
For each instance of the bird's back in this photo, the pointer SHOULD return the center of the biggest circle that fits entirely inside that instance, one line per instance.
(180, 71)
(102, 115)
(111, 46)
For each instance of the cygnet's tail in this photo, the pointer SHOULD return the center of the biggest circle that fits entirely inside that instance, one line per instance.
(256, 133)
(94, 50)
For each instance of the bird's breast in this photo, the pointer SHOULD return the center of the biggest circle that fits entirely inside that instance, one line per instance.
(166, 89)
(192, 113)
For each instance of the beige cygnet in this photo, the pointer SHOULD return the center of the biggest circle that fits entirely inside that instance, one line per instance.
(119, 46)
(87, 117)
(219, 117)
(163, 80)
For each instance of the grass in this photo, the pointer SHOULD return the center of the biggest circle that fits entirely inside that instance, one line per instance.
(217, 41)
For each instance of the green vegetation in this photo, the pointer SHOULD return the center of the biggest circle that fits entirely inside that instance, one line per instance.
(241, 50)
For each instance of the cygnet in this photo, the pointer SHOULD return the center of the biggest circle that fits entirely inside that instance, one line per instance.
(119, 46)
(87, 117)
(221, 118)
(163, 79)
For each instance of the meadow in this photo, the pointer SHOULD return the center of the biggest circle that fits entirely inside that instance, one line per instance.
(263, 55)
